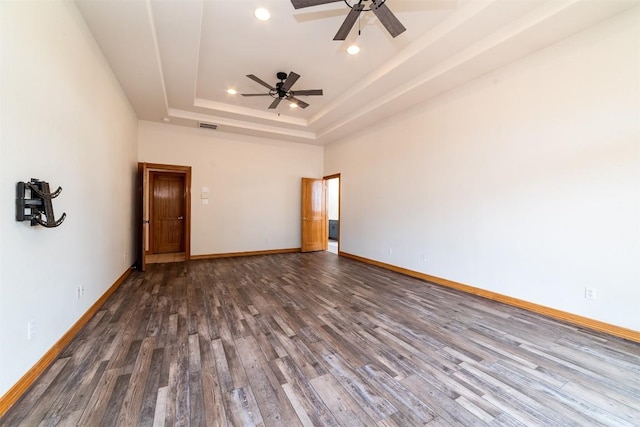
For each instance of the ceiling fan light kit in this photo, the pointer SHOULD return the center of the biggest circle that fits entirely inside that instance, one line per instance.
(282, 90)
(378, 7)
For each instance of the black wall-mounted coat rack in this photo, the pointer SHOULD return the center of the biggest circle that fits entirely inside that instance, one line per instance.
(39, 204)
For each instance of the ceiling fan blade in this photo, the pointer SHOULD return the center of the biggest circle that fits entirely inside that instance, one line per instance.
(263, 83)
(299, 103)
(387, 18)
(291, 79)
(351, 19)
(308, 92)
(255, 94)
(299, 4)
(275, 103)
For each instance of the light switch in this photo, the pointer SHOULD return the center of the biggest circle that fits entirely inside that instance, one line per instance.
(205, 201)
(205, 189)
(204, 196)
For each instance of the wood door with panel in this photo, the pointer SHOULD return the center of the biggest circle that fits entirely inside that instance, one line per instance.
(168, 212)
(314, 215)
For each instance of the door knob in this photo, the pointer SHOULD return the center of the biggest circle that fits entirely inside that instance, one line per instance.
(180, 217)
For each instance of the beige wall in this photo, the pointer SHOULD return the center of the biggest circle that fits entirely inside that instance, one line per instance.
(64, 119)
(524, 182)
(254, 185)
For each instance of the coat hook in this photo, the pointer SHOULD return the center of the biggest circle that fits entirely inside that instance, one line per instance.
(40, 203)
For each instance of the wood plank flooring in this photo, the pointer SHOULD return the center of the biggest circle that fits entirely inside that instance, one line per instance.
(316, 339)
(164, 258)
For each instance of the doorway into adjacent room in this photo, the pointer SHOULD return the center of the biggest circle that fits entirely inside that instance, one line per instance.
(333, 212)
(163, 213)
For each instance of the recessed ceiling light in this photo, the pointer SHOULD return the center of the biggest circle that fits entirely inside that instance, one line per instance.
(353, 49)
(293, 105)
(262, 14)
(232, 91)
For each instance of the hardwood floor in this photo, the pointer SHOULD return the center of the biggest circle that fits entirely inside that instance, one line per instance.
(164, 258)
(316, 339)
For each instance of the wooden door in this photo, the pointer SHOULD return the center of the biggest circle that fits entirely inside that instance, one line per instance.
(314, 215)
(168, 212)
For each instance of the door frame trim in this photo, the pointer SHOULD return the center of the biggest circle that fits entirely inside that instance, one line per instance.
(326, 178)
(176, 169)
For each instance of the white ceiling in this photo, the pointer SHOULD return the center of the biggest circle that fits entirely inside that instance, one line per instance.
(176, 58)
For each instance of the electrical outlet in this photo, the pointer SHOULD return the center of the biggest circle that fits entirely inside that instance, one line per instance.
(81, 290)
(390, 251)
(31, 329)
(78, 292)
(423, 258)
(125, 256)
(589, 293)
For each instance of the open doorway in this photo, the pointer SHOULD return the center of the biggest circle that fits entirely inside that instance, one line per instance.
(164, 213)
(333, 212)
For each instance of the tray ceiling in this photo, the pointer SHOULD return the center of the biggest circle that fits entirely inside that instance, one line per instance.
(175, 59)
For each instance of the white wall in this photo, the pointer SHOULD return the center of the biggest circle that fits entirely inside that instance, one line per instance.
(525, 182)
(254, 183)
(333, 198)
(64, 119)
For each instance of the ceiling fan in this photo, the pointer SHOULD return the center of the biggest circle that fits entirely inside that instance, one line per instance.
(378, 7)
(282, 90)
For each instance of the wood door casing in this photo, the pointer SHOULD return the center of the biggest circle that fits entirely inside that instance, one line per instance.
(144, 228)
(141, 217)
(168, 212)
(327, 178)
(314, 233)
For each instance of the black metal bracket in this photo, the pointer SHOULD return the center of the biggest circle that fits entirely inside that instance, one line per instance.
(38, 204)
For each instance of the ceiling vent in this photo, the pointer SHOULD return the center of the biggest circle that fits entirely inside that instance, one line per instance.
(206, 125)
